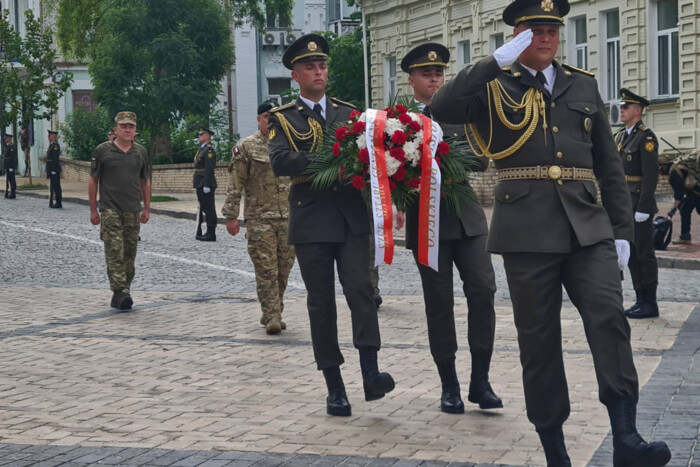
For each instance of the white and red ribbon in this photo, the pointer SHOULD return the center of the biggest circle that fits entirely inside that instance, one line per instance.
(380, 191)
(429, 200)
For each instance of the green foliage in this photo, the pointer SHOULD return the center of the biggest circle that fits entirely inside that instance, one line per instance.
(162, 198)
(346, 67)
(32, 186)
(184, 134)
(83, 131)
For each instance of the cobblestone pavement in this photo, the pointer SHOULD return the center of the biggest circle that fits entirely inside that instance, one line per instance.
(190, 378)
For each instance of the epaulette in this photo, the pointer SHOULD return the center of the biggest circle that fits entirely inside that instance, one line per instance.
(342, 102)
(283, 107)
(573, 68)
(506, 68)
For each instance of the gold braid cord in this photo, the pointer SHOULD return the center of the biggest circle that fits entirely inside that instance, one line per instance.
(533, 104)
(315, 133)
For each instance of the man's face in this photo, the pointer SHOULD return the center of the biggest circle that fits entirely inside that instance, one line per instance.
(52, 137)
(425, 81)
(125, 131)
(545, 42)
(203, 137)
(263, 120)
(630, 113)
(312, 76)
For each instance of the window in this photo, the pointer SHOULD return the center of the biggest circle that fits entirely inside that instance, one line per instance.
(664, 49)
(495, 41)
(276, 86)
(83, 99)
(611, 54)
(389, 78)
(464, 54)
(579, 37)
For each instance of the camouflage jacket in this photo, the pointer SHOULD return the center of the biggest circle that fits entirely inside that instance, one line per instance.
(251, 174)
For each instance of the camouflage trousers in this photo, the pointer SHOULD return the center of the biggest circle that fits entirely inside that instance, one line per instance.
(119, 232)
(273, 259)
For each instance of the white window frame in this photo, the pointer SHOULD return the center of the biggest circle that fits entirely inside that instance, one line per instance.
(495, 41)
(610, 71)
(577, 50)
(463, 46)
(389, 78)
(655, 65)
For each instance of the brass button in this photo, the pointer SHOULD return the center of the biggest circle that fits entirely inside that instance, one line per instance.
(587, 109)
(561, 182)
(298, 203)
(507, 196)
(560, 155)
(555, 129)
(456, 134)
(554, 104)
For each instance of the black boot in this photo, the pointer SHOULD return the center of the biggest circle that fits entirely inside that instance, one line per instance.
(630, 449)
(635, 306)
(480, 391)
(451, 400)
(210, 236)
(554, 447)
(376, 384)
(649, 308)
(337, 401)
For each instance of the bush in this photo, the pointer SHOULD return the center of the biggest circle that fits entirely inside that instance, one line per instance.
(83, 131)
(184, 134)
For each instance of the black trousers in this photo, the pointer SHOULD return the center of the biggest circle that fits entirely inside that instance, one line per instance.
(642, 263)
(691, 203)
(55, 187)
(10, 174)
(316, 262)
(479, 285)
(207, 205)
(592, 280)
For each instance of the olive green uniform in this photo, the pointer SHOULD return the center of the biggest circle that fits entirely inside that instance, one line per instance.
(53, 173)
(10, 161)
(204, 176)
(266, 216)
(119, 176)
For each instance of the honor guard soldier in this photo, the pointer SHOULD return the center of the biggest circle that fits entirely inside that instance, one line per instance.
(545, 126)
(204, 181)
(10, 160)
(639, 150)
(463, 244)
(266, 216)
(328, 228)
(53, 170)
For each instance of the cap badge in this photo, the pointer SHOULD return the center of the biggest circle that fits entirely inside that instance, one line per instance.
(432, 55)
(547, 5)
(312, 46)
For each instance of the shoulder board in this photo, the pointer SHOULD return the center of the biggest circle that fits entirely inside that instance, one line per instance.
(506, 68)
(342, 102)
(283, 107)
(573, 68)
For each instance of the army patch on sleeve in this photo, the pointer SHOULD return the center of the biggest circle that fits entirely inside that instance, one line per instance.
(650, 146)
(271, 136)
(210, 155)
(93, 163)
(236, 151)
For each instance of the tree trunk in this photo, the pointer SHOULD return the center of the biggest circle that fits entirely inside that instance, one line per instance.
(161, 144)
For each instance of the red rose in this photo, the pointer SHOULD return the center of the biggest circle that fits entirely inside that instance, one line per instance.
(443, 148)
(401, 109)
(358, 127)
(336, 149)
(414, 126)
(405, 119)
(400, 174)
(399, 138)
(389, 112)
(398, 154)
(341, 133)
(363, 156)
(413, 183)
(355, 114)
(392, 185)
(358, 182)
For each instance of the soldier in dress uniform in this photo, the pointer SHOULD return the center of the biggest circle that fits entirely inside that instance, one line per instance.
(639, 150)
(328, 228)
(462, 243)
(204, 181)
(10, 160)
(266, 218)
(545, 126)
(53, 170)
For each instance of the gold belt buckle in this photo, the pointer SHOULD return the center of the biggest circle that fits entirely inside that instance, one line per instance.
(554, 172)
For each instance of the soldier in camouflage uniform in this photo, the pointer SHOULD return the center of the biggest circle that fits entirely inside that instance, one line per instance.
(266, 215)
(120, 171)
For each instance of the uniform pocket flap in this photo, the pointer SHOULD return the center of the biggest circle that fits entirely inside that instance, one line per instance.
(587, 108)
(508, 192)
(300, 202)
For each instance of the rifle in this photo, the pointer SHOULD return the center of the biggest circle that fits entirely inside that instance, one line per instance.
(672, 146)
(199, 220)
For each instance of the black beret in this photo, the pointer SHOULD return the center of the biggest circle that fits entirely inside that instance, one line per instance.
(426, 55)
(266, 107)
(536, 12)
(308, 47)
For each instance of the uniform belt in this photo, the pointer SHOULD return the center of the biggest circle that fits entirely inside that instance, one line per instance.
(634, 178)
(297, 180)
(545, 172)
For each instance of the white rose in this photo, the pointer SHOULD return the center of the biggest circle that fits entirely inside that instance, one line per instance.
(392, 125)
(361, 141)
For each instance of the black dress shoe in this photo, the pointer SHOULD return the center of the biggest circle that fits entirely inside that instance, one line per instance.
(337, 403)
(645, 310)
(377, 386)
(480, 392)
(208, 237)
(124, 301)
(114, 303)
(451, 400)
(51, 206)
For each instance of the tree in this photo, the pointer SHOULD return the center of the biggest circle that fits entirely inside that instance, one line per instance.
(346, 67)
(30, 87)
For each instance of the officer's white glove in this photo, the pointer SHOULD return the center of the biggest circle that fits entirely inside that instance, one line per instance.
(509, 52)
(206, 190)
(623, 253)
(640, 216)
(53, 173)
(10, 170)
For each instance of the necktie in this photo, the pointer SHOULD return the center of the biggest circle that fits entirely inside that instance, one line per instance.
(542, 79)
(319, 110)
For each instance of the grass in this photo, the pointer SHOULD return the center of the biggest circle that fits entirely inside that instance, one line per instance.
(162, 199)
(35, 186)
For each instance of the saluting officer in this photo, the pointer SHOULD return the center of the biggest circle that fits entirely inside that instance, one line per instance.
(545, 126)
(10, 160)
(204, 181)
(327, 227)
(639, 150)
(53, 170)
(462, 243)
